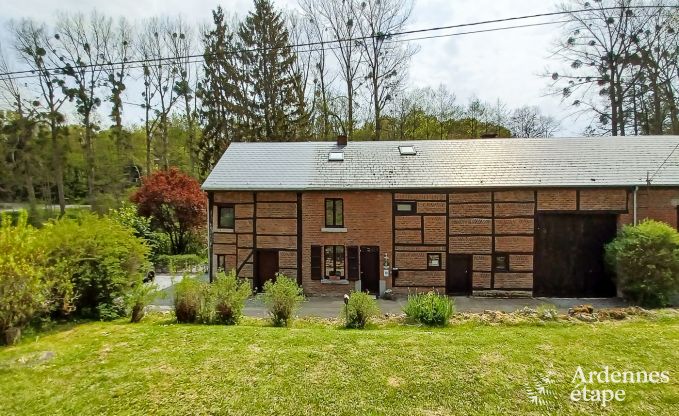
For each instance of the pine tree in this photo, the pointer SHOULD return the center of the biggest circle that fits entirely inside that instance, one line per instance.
(222, 93)
(274, 108)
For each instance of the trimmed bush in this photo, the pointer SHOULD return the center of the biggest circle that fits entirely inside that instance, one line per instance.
(180, 263)
(188, 298)
(429, 308)
(359, 310)
(229, 295)
(139, 298)
(282, 298)
(645, 259)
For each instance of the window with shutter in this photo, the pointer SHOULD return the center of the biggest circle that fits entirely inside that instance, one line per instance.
(352, 260)
(316, 259)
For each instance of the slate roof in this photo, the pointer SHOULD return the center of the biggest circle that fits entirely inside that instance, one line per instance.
(479, 163)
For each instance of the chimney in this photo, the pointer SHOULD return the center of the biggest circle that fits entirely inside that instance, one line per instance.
(489, 135)
(342, 140)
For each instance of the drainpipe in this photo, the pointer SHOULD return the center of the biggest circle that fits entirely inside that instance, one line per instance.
(634, 208)
(209, 235)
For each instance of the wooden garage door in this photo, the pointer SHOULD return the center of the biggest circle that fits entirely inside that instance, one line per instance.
(569, 255)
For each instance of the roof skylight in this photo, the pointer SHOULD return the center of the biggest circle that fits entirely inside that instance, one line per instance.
(336, 156)
(407, 150)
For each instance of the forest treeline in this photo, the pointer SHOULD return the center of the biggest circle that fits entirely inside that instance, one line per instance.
(70, 89)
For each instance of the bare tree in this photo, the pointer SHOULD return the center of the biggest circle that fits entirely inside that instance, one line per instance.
(597, 47)
(339, 17)
(530, 122)
(159, 82)
(37, 52)
(81, 44)
(655, 70)
(445, 109)
(21, 125)
(386, 62)
(181, 37)
(300, 32)
(117, 69)
(474, 115)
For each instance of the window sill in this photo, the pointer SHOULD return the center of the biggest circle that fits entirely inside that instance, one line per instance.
(224, 230)
(334, 282)
(333, 230)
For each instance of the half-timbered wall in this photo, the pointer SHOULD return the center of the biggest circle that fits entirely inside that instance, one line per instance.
(263, 220)
(484, 225)
(417, 234)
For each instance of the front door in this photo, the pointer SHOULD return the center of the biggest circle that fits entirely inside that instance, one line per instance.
(370, 269)
(266, 267)
(458, 276)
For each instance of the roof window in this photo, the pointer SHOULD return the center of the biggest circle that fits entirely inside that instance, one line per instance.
(336, 156)
(407, 150)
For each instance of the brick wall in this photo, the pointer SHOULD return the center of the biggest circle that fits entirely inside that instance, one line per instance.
(368, 222)
(658, 204)
(477, 223)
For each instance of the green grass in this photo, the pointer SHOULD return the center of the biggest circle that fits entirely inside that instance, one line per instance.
(158, 367)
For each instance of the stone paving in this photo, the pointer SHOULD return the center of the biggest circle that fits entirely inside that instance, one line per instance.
(330, 306)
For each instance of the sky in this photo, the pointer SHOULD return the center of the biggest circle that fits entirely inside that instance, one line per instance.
(503, 64)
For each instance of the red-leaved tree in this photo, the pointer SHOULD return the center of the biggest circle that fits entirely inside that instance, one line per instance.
(174, 202)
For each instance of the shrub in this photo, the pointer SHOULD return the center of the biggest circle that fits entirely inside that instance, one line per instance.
(229, 295)
(188, 299)
(282, 297)
(645, 258)
(127, 216)
(102, 259)
(180, 263)
(139, 298)
(429, 308)
(24, 284)
(360, 308)
(109, 311)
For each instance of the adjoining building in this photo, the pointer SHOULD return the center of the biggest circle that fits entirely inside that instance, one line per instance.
(462, 216)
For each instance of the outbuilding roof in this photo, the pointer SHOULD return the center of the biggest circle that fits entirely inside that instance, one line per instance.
(477, 163)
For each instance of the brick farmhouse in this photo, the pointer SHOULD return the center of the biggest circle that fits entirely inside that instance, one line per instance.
(529, 216)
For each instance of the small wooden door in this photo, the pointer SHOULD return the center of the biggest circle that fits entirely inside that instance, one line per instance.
(370, 269)
(266, 267)
(458, 275)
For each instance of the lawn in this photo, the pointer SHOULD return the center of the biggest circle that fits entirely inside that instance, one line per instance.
(159, 367)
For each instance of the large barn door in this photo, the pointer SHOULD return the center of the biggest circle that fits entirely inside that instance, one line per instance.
(569, 256)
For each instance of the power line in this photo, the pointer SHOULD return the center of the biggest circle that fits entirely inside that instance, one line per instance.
(386, 36)
(650, 179)
(33, 75)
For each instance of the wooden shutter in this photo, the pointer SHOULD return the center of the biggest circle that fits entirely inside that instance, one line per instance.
(352, 263)
(316, 262)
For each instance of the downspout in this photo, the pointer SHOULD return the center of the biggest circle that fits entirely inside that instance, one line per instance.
(634, 207)
(209, 235)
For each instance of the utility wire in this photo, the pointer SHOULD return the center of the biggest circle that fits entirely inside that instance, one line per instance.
(386, 36)
(650, 179)
(191, 61)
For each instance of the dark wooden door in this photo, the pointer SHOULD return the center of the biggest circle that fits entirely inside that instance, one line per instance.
(569, 255)
(370, 269)
(266, 267)
(458, 275)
